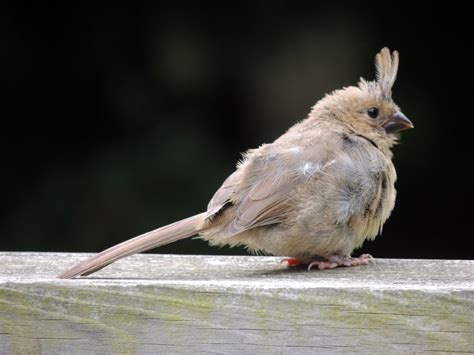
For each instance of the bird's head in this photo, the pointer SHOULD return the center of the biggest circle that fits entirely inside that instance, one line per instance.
(368, 109)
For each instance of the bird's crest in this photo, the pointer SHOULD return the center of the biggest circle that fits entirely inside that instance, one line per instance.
(386, 67)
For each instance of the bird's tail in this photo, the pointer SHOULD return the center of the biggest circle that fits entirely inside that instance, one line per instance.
(161, 236)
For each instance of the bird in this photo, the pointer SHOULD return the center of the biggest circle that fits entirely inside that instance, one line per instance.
(313, 195)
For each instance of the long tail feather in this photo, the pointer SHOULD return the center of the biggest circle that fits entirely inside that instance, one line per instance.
(158, 237)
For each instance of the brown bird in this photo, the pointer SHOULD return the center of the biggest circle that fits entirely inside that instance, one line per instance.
(314, 195)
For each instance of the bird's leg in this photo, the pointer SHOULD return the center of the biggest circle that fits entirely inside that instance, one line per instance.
(334, 261)
(292, 262)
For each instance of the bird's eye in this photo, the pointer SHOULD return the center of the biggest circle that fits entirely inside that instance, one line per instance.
(373, 112)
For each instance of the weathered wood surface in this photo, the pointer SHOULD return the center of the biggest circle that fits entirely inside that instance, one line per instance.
(184, 304)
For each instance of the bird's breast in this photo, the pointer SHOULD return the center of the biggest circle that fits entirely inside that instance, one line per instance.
(349, 198)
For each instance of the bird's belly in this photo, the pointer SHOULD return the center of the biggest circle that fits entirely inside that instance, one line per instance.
(330, 224)
(324, 219)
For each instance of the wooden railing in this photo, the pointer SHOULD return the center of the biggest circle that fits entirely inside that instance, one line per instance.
(234, 304)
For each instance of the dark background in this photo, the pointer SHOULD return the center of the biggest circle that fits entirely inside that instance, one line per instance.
(119, 120)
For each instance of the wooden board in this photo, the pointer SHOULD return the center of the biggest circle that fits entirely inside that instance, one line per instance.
(234, 304)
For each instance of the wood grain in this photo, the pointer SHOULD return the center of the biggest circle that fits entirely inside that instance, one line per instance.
(234, 304)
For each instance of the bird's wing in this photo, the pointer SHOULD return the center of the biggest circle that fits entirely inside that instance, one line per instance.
(224, 194)
(261, 188)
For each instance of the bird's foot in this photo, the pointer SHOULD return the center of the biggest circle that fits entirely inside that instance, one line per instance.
(337, 260)
(292, 262)
(364, 259)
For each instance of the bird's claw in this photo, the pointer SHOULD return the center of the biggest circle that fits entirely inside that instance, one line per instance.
(364, 259)
(322, 265)
(337, 260)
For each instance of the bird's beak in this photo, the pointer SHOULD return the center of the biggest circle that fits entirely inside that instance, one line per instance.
(398, 122)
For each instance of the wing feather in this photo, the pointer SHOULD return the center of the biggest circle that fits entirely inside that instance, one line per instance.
(260, 189)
